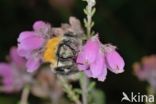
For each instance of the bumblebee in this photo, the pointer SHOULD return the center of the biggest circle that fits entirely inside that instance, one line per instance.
(61, 53)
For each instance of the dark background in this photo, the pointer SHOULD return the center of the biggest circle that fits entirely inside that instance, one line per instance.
(128, 24)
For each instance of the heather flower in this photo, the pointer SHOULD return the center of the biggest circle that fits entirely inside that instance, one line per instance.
(89, 52)
(146, 70)
(15, 59)
(31, 44)
(7, 77)
(15, 77)
(95, 58)
(13, 73)
(91, 59)
(99, 68)
(114, 61)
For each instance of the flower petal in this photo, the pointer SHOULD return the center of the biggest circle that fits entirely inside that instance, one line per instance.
(81, 62)
(115, 62)
(15, 58)
(5, 70)
(6, 73)
(24, 35)
(90, 49)
(31, 43)
(23, 53)
(103, 75)
(38, 25)
(33, 64)
(98, 66)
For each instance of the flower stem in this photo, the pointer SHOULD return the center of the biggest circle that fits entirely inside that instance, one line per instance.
(68, 89)
(84, 85)
(89, 11)
(25, 95)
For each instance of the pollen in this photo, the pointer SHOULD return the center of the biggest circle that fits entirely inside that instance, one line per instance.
(49, 54)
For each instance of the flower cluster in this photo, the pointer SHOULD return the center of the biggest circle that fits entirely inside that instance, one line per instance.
(146, 70)
(95, 58)
(31, 44)
(13, 73)
(41, 46)
(15, 76)
(65, 50)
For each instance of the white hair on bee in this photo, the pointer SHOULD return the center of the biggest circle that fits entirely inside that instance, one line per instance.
(70, 44)
(66, 54)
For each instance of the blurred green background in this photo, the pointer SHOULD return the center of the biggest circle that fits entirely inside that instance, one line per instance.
(128, 24)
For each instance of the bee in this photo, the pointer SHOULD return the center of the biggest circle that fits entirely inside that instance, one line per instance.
(66, 54)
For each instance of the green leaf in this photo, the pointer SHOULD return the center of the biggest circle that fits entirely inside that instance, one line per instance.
(92, 24)
(85, 22)
(85, 11)
(98, 97)
(78, 91)
(93, 11)
(7, 99)
(91, 86)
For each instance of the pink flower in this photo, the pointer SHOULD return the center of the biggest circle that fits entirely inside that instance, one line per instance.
(99, 68)
(89, 53)
(39, 25)
(16, 59)
(7, 77)
(145, 70)
(91, 59)
(30, 41)
(91, 49)
(13, 73)
(95, 58)
(31, 44)
(115, 62)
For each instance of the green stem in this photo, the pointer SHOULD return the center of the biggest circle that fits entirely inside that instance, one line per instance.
(68, 89)
(84, 86)
(89, 11)
(25, 95)
(89, 20)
